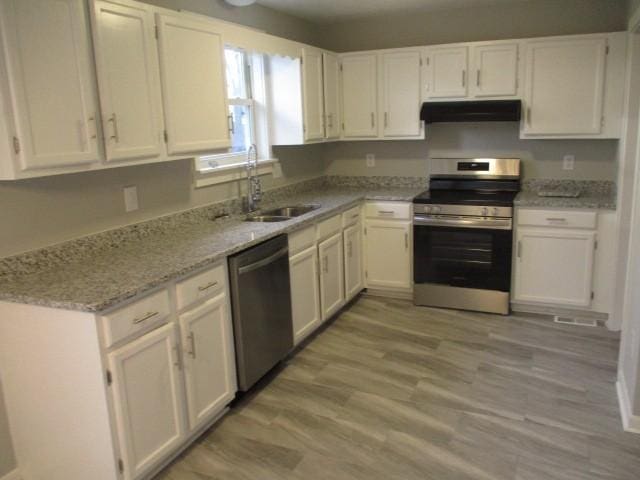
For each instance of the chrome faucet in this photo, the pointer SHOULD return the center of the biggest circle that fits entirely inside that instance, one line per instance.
(254, 188)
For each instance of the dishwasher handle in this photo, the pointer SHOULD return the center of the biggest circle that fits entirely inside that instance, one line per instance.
(263, 262)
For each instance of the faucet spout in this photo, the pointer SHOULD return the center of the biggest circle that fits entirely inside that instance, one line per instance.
(254, 187)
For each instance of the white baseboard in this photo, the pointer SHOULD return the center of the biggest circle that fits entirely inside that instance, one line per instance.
(15, 475)
(630, 422)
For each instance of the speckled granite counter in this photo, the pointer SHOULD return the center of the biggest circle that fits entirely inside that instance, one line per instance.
(593, 194)
(95, 273)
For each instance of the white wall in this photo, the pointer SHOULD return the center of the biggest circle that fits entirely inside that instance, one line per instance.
(595, 159)
(7, 459)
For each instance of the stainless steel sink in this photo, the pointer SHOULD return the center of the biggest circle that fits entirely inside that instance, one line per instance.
(281, 214)
(267, 218)
(292, 211)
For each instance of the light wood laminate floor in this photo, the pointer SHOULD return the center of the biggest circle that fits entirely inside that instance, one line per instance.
(393, 391)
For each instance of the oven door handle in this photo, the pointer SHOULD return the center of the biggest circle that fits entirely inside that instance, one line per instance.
(495, 224)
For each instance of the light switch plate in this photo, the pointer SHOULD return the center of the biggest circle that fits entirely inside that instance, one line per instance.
(568, 162)
(131, 198)
(371, 160)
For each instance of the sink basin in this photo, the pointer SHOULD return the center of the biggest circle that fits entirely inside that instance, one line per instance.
(293, 211)
(267, 218)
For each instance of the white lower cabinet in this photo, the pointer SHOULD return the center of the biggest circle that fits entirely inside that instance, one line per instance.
(563, 258)
(387, 245)
(209, 362)
(147, 400)
(305, 299)
(331, 275)
(353, 272)
(554, 266)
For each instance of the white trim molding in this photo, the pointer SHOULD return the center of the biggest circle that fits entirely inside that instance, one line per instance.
(630, 422)
(15, 475)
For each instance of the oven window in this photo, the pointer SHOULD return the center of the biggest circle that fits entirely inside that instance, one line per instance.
(463, 257)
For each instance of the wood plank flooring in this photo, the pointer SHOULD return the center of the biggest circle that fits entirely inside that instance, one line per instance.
(393, 391)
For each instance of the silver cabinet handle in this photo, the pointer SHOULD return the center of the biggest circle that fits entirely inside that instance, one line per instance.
(529, 116)
(232, 124)
(325, 262)
(192, 341)
(519, 249)
(177, 363)
(330, 120)
(386, 212)
(202, 288)
(478, 78)
(464, 78)
(355, 215)
(386, 119)
(145, 317)
(350, 249)
(406, 241)
(373, 120)
(94, 131)
(114, 122)
(556, 219)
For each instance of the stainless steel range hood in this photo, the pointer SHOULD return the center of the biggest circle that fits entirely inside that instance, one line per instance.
(477, 111)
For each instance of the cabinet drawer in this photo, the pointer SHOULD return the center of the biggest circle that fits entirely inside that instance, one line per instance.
(396, 210)
(329, 227)
(136, 317)
(301, 240)
(557, 218)
(202, 285)
(351, 216)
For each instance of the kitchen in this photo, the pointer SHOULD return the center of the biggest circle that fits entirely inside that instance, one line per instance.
(124, 335)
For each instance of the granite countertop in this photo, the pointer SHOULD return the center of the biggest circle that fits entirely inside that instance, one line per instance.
(599, 195)
(104, 276)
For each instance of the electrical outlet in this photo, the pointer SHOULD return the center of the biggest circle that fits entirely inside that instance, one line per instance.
(276, 170)
(371, 160)
(568, 162)
(130, 198)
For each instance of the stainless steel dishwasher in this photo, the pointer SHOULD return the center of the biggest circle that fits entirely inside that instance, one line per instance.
(261, 307)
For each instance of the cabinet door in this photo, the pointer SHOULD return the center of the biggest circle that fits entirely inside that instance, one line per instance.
(47, 48)
(554, 266)
(401, 94)
(209, 360)
(312, 95)
(353, 271)
(495, 70)
(388, 256)
(193, 85)
(359, 96)
(447, 67)
(147, 400)
(331, 275)
(305, 299)
(129, 79)
(564, 89)
(331, 95)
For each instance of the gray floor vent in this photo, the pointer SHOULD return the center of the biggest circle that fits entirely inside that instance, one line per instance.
(581, 322)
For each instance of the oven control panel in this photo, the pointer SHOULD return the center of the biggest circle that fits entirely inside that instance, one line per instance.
(464, 210)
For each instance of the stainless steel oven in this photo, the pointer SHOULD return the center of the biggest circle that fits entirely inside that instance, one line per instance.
(463, 240)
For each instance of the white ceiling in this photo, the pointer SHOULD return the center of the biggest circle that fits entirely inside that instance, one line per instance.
(322, 11)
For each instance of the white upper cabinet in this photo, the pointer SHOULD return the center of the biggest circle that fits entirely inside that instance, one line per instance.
(193, 85)
(494, 70)
(129, 80)
(331, 70)
(447, 74)
(564, 93)
(400, 80)
(51, 101)
(313, 97)
(359, 95)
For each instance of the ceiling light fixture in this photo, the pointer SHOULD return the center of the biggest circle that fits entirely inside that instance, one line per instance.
(240, 3)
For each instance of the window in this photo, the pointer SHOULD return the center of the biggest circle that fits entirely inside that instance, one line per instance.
(240, 68)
